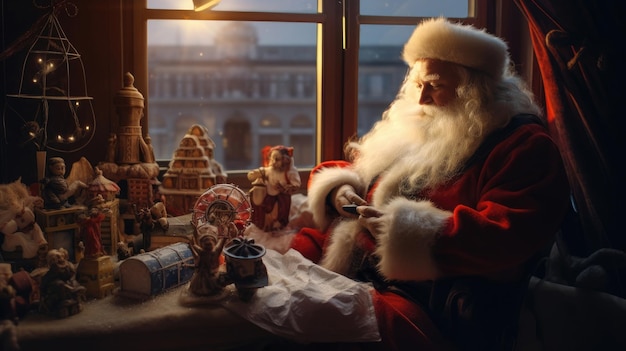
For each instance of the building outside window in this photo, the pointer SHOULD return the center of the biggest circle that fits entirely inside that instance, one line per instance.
(252, 72)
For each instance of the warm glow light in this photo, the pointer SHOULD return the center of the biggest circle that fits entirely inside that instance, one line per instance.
(59, 51)
(201, 5)
(50, 67)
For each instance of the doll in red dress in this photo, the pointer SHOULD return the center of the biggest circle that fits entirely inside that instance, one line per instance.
(90, 233)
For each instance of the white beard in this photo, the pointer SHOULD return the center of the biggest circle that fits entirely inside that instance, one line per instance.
(420, 146)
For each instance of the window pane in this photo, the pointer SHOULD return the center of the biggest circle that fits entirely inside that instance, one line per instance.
(292, 6)
(381, 70)
(171, 4)
(416, 8)
(235, 78)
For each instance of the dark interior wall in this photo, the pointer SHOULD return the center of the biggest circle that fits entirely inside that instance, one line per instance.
(17, 18)
(94, 31)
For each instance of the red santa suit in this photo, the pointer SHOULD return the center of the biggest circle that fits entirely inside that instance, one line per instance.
(448, 245)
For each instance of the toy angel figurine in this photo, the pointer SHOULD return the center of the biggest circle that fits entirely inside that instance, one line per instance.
(56, 189)
(273, 184)
(208, 243)
(207, 279)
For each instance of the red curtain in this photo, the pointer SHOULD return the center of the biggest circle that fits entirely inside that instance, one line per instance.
(579, 46)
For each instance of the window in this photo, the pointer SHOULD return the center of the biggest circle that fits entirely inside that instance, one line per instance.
(306, 73)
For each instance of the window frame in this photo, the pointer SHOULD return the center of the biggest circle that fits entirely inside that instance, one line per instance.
(337, 60)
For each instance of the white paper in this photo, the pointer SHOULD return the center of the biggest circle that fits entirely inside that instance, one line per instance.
(307, 303)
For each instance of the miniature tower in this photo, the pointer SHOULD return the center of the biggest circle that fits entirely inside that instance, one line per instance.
(130, 158)
(129, 155)
(129, 104)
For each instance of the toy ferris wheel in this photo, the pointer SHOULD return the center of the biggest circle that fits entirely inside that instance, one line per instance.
(221, 204)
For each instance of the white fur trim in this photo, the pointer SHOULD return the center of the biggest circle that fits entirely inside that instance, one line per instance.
(405, 242)
(322, 183)
(461, 44)
(339, 253)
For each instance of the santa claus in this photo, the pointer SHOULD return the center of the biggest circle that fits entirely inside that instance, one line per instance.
(458, 187)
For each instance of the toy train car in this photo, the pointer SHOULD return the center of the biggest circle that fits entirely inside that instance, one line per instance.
(154, 272)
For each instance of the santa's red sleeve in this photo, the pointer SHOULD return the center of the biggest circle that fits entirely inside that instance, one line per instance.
(310, 242)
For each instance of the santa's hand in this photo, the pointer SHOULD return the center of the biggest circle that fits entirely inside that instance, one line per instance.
(345, 195)
(371, 219)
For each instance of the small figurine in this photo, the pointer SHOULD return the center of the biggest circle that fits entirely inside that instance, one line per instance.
(25, 288)
(159, 215)
(146, 225)
(124, 251)
(90, 232)
(18, 227)
(80, 252)
(15, 302)
(61, 294)
(273, 184)
(56, 189)
(207, 280)
(24, 232)
(150, 219)
(208, 242)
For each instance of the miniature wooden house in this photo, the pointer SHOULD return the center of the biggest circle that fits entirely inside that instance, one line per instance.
(191, 171)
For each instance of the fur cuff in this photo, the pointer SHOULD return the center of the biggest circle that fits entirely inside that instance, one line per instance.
(406, 240)
(322, 184)
(338, 254)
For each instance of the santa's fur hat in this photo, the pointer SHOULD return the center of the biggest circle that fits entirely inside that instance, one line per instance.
(461, 44)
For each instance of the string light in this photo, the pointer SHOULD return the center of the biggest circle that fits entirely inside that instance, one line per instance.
(50, 65)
